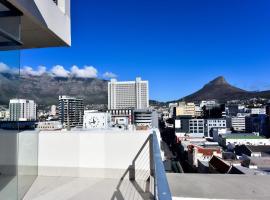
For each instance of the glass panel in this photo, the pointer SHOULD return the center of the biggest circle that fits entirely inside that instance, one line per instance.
(11, 27)
(9, 87)
(27, 161)
(18, 145)
(8, 165)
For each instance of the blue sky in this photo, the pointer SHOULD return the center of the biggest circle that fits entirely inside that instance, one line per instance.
(178, 45)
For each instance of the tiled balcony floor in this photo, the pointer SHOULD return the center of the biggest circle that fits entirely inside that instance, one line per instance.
(69, 188)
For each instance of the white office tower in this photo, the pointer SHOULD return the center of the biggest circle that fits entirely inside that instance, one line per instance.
(128, 94)
(71, 110)
(22, 110)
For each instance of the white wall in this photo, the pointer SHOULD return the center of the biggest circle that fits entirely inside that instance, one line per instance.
(87, 153)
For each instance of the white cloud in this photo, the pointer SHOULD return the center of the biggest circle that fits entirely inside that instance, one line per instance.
(85, 72)
(59, 71)
(4, 67)
(26, 70)
(109, 75)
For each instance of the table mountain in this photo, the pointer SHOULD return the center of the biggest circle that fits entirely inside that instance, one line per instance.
(45, 89)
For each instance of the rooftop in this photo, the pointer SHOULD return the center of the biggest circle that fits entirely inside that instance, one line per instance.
(259, 148)
(218, 186)
(241, 136)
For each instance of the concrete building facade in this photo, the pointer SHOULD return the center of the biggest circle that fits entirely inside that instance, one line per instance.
(196, 126)
(238, 123)
(22, 110)
(186, 109)
(71, 111)
(128, 94)
(214, 123)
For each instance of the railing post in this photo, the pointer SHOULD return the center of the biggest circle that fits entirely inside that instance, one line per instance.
(132, 172)
(151, 156)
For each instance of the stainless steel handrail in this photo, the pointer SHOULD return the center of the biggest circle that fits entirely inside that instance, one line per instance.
(162, 189)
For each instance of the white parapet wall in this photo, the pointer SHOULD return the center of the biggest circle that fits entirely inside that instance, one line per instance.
(100, 153)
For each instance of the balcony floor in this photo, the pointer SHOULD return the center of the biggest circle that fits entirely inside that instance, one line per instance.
(69, 188)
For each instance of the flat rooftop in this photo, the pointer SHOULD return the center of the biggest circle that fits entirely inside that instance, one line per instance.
(242, 136)
(219, 186)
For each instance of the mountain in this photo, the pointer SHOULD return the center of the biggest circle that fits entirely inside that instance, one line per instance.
(222, 91)
(45, 89)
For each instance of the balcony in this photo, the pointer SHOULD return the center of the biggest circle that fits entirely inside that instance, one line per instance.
(106, 164)
(88, 165)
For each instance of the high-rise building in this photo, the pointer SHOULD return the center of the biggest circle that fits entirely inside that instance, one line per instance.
(128, 94)
(22, 110)
(71, 111)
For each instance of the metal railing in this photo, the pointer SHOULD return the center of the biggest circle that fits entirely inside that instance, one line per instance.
(162, 189)
(147, 166)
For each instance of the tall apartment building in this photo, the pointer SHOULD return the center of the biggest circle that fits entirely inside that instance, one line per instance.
(128, 94)
(71, 111)
(22, 110)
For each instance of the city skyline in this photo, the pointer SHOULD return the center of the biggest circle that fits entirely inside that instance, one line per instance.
(194, 40)
(65, 132)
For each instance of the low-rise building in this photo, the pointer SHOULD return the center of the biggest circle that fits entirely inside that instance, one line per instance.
(243, 139)
(93, 119)
(117, 114)
(238, 123)
(222, 166)
(214, 123)
(209, 104)
(196, 127)
(145, 119)
(49, 125)
(202, 153)
(186, 109)
(253, 151)
(258, 111)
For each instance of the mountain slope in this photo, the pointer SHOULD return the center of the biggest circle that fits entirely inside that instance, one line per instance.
(221, 90)
(45, 89)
